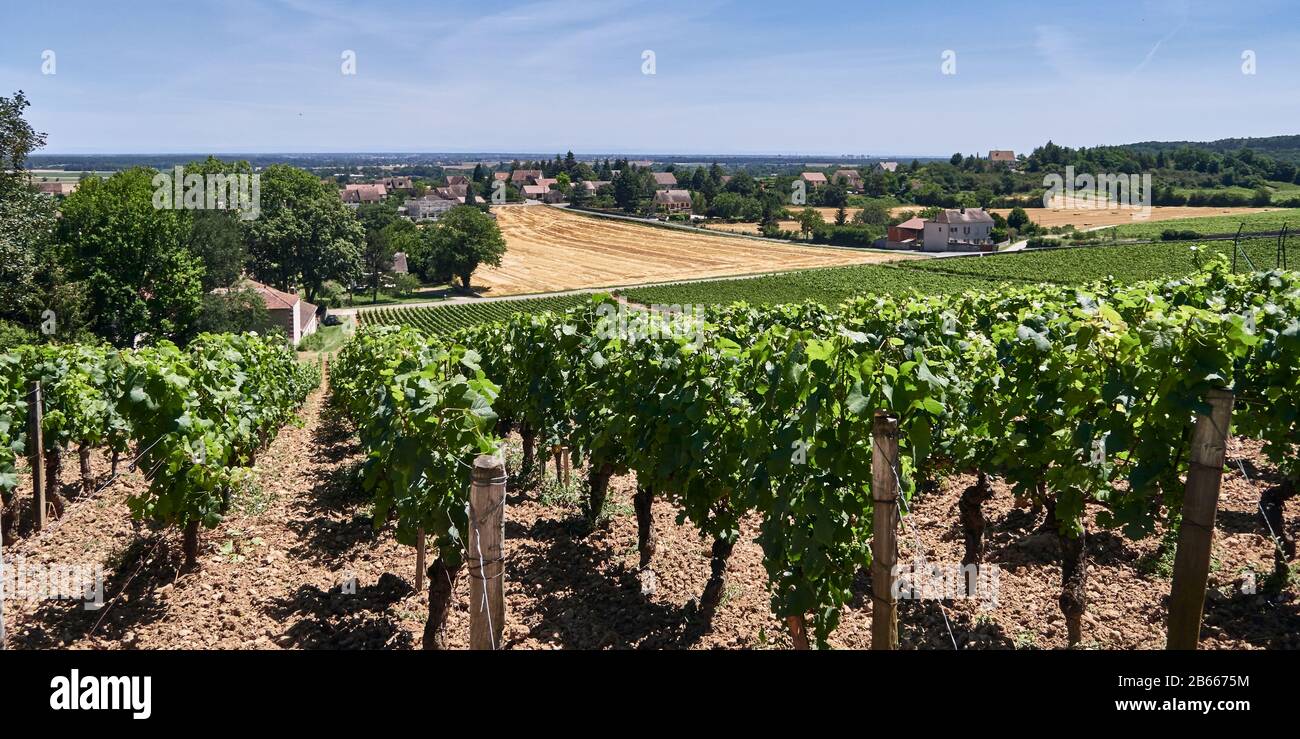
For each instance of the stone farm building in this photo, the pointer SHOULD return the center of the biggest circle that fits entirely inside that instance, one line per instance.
(296, 316)
(965, 229)
(1002, 155)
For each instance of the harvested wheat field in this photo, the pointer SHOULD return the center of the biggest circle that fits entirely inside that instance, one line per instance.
(1096, 217)
(548, 249)
(1081, 216)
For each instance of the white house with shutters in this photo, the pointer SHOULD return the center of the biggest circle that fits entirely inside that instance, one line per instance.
(964, 229)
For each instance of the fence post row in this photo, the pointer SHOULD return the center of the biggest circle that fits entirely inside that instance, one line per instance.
(1196, 534)
(884, 540)
(487, 501)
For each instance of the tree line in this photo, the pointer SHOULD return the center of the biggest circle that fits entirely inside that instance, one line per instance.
(106, 263)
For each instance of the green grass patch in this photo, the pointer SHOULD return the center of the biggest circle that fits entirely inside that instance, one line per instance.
(1208, 225)
(439, 320)
(1123, 262)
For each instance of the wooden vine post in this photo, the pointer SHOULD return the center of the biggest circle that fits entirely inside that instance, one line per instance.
(35, 413)
(1192, 560)
(487, 502)
(884, 540)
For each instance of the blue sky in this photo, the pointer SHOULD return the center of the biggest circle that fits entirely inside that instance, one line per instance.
(731, 77)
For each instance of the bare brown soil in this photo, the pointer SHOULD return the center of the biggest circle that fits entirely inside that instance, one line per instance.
(274, 575)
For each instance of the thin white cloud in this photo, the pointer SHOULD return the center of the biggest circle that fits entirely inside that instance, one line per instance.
(1152, 54)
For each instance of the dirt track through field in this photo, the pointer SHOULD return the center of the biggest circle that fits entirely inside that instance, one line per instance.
(548, 249)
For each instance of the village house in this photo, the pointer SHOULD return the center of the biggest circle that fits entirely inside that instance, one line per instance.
(398, 183)
(816, 179)
(886, 166)
(554, 196)
(852, 178)
(673, 201)
(296, 316)
(534, 192)
(452, 192)
(457, 179)
(1002, 156)
(502, 176)
(907, 234)
(521, 177)
(965, 229)
(365, 193)
(56, 188)
(664, 180)
(428, 209)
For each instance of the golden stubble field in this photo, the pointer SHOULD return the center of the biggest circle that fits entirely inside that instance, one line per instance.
(548, 249)
(1081, 215)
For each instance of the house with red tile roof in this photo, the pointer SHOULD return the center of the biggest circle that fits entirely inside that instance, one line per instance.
(523, 177)
(673, 201)
(367, 193)
(852, 178)
(296, 316)
(664, 180)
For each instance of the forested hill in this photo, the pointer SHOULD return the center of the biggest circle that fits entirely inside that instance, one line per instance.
(1282, 148)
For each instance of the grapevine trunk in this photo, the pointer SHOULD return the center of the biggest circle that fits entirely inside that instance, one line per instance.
(1272, 506)
(972, 518)
(722, 548)
(9, 520)
(643, 502)
(598, 483)
(442, 580)
(798, 631)
(529, 439)
(53, 467)
(190, 546)
(1074, 582)
(87, 477)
